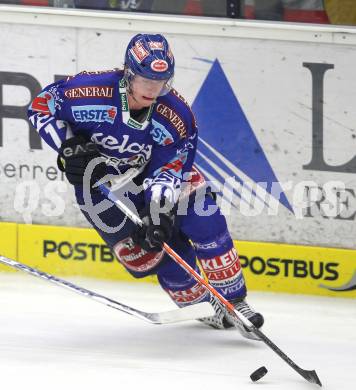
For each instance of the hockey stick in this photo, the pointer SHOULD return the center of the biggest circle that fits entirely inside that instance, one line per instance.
(167, 317)
(239, 319)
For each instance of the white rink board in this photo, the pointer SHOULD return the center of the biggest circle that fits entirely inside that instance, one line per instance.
(270, 82)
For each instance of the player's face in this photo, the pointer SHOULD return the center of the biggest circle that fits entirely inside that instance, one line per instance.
(145, 91)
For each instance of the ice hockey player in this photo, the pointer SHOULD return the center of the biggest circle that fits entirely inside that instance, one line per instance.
(132, 120)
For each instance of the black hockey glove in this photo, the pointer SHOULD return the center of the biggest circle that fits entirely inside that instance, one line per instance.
(151, 236)
(74, 156)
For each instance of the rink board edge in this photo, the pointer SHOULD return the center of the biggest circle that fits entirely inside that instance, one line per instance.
(71, 251)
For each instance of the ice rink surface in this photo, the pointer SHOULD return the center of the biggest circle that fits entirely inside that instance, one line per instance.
(52, 338)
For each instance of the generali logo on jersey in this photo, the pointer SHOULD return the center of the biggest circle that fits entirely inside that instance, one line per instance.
(174, 118)
(89, 92)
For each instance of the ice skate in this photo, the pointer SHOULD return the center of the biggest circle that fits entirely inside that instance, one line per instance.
(222, 320)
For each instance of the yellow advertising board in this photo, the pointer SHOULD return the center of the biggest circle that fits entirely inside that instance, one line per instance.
(8, 242)
(298, 269)
(69, 251)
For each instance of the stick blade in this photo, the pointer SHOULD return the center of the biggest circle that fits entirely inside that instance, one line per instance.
(311, 376)
(191, 312)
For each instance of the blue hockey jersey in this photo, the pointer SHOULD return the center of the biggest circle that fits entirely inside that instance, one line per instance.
(95, 105)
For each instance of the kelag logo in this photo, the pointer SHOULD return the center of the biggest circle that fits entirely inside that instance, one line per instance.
(228, 146)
